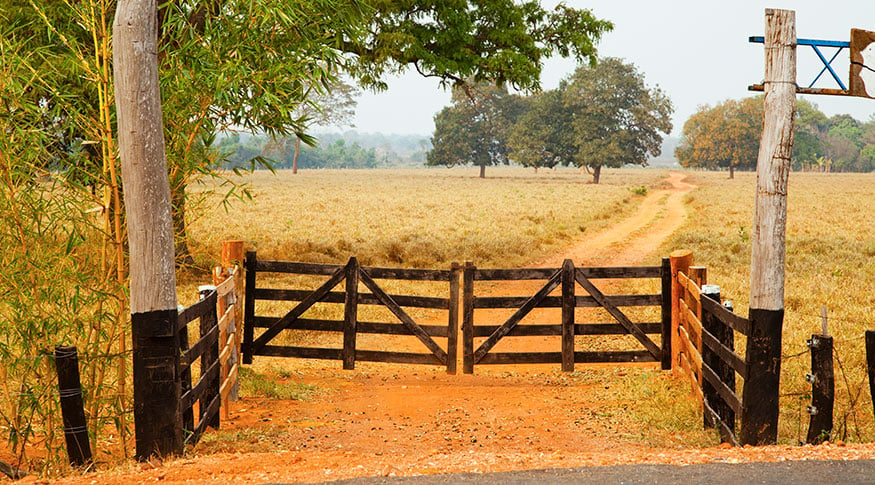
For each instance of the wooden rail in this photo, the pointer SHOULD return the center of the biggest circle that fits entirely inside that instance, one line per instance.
(229, 308)
(205, 392)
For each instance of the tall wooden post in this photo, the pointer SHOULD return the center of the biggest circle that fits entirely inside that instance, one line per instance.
(568, 303)
(468, 318)
(760, 408)
(72, 411)
(679, 261)
(350, 313)
(666, 313)
(150, 229)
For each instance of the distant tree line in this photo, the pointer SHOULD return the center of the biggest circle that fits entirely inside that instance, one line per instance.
(727, 136)
(336, 150)
(603, 115)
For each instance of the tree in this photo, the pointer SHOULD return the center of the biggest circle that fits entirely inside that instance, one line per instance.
(474, 129)
(535, 140)
(725, 136)
(618, 120)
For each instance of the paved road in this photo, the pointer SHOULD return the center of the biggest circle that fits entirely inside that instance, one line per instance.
(788, 472)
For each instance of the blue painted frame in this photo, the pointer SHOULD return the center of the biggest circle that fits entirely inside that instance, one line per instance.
(827, 64)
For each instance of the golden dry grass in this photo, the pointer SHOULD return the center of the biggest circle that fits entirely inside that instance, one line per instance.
(830, 249)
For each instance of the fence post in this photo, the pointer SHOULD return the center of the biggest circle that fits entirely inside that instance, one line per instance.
(759, 407)
(249, 309)
(453, 320)
(711, 359)
(822, 381)
(568, 316)
(210, 355)
(666, 313)
(679, 261)
(350, 313)
(232, 255)
(468, 318)
(72, 410)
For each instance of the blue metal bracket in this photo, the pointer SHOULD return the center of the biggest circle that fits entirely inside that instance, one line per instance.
(827, 64)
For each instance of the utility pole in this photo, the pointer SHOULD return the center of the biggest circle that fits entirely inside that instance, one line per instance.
(769, 229)
(150, 229)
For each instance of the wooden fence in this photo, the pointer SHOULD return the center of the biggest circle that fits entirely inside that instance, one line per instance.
(351, 298)
(704, 332)
(569, 279)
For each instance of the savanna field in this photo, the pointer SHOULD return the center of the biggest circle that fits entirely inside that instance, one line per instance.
(429, 218)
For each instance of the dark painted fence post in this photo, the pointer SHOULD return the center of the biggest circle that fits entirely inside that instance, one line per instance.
(870, 363)
(350, 313)
(468, 319)
(568, 316)
(453, 320)
(249, 309)
(822, 380)
(666, 313)
(185, 382)
(759, 413)
(72, 410)
(210, 356)
(723, 370)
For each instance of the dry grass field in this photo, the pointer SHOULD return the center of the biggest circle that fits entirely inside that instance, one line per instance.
(830, 261)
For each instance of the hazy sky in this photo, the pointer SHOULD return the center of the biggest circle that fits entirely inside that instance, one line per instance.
(696, 51)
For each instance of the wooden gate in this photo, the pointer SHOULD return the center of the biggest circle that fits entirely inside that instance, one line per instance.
(569, 278)
(350, 326)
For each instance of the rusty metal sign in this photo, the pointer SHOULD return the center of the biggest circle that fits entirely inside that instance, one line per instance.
(862, 79)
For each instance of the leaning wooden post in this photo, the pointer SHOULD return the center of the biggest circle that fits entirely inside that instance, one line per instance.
(760, 396)
(666, 314)
(157, 419)
(468, 318)
(350, 313)
(568, 316)
(679, 261)
(453, 320)
(72, 410)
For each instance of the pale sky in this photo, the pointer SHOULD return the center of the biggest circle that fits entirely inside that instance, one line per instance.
(696, 51)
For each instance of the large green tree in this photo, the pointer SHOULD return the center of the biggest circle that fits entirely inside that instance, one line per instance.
(474, 129)
(618, 120)
(535, 140)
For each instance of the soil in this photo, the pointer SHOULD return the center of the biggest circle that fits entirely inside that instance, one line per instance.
(392, 420)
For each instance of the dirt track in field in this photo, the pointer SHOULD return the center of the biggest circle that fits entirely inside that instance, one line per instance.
(386, 420)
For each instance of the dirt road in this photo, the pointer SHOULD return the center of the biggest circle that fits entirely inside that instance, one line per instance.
(385, 420)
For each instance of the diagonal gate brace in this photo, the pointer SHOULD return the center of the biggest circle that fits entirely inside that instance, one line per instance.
(619, 315)
(512, 322)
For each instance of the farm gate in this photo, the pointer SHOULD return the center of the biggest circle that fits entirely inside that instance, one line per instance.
(302, 316)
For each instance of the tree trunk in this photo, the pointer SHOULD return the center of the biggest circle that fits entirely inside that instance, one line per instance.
(596, 174)
(297, 152)
(150, 229)
(483, 171)
(731, 170)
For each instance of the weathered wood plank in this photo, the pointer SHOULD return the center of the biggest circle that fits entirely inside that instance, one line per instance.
(408, 274)
(567, 316)
(691, 321)
(726, 355)
(453, 320)
(517, 274)
(620, 316)
(666, 313)
(301, 352)
(382, 328)
(350, 313)
(198, 348)
(188, 399)
(499, 358)
(556, 329)
(299, 310)
(194, 312)
(209, 412)
(726, 394)
(511, 322)
(227, 286)
(249, 308)
(737, 323)
(228, 383)
(690, 350)
(403, 316)
(266, 266)
(582, 301)
(276, 294)
(468, 318)
(620, 272)
(679, 261)
(691, 376)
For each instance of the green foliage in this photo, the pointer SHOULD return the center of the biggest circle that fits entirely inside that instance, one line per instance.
(474, 129)
(338, 153)
(601, 116)
(496, 41)
(256, 384)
